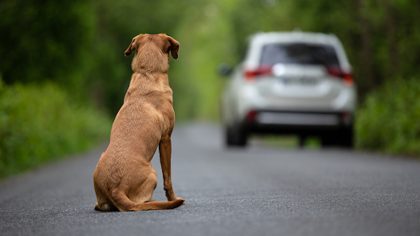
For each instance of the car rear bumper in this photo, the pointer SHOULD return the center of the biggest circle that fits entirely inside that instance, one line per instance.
(266, 121)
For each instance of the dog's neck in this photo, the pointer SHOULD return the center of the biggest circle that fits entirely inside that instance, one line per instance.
(147, 83)
(150, 60)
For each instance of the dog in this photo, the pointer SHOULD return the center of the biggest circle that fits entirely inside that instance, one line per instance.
(124, 178)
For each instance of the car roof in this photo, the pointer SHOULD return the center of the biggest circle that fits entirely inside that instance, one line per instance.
(295, 36)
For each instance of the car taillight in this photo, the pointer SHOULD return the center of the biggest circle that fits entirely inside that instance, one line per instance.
(258, 72)
(346, 118)
(346, 77)
(251, 116)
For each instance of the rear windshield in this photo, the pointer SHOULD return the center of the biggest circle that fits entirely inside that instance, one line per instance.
(299, 53)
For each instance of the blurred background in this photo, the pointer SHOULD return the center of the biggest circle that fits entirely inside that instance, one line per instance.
(63, 74)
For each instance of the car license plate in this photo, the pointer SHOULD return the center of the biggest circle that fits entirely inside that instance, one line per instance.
(309, 81)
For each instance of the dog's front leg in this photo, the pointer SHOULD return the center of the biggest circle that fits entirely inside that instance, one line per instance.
(165, 150)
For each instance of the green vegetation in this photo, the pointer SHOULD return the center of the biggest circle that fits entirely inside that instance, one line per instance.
(389, 119)
(206, 41)
(41, 122)
(45, 41)
(45, 68)
(62, 61)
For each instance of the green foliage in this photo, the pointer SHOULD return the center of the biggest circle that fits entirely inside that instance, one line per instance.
(205, 43)
(39, 123)
(389, 120)
(45, 40)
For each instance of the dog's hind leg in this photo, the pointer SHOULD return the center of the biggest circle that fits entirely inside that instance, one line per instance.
(105, 206)
(144, 192)
(102, 203)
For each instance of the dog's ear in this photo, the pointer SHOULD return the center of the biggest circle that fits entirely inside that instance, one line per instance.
(132, 46)
(173, 46)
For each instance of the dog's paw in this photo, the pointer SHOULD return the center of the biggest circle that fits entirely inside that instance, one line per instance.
(180, 199)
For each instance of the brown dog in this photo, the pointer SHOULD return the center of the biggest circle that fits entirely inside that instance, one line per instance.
(124, 178)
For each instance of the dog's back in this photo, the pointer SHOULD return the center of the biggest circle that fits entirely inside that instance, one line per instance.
(124, 178)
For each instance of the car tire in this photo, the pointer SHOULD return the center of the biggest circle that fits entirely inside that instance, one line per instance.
(235, 136)
(346, 137)
(342, 138)
(301, 141)
(328, 140)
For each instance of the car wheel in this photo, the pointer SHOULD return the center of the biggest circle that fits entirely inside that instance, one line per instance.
(235, 136)
(302, 141)
(328, 140)
(346, 137)
(341, 138)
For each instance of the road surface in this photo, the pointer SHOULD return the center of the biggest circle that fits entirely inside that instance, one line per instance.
(258, 191)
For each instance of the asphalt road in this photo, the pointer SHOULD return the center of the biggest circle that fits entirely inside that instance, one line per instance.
(258, 191)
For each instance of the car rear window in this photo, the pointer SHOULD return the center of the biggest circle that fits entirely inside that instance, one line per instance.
(299, 53)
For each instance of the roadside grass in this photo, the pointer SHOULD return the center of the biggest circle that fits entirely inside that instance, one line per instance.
(389, 120)
(39, 123)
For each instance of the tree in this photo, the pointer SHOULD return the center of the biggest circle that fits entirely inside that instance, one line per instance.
(45, 40)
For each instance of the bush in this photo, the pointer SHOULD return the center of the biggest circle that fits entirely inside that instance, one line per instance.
(40, 123)
(389, 120)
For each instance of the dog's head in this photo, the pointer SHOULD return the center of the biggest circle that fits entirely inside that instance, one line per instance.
(164, 42)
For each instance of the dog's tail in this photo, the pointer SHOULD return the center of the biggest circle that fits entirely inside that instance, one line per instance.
(158, 205)
(123, 203)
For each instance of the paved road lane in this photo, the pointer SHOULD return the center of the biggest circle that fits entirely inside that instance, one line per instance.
(259, 191)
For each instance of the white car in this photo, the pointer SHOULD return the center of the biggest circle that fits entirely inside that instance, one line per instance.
(290, 83)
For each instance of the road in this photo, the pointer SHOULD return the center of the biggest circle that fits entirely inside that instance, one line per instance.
(262, 190)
